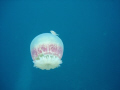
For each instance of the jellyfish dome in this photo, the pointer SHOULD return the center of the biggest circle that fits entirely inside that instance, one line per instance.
(46, 51)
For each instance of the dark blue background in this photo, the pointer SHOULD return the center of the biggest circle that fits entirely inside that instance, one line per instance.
(90, 30)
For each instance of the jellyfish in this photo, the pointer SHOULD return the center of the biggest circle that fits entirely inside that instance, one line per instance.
(46, 51)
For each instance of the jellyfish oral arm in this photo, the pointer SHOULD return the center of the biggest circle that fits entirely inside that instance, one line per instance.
(47, 62)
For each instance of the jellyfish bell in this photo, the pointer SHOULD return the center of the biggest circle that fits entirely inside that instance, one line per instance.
(46, 51)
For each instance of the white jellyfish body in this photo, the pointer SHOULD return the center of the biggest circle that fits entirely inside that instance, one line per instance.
(46, 51)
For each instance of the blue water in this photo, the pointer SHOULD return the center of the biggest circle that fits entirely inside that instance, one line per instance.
(89, 29)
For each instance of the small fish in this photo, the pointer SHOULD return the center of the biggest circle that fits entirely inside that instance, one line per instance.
(53, 32)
